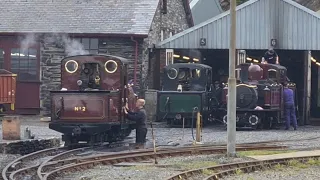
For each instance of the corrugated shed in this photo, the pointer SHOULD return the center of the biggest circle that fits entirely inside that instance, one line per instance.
(258, 21)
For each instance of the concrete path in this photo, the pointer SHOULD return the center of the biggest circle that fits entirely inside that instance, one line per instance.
(287, 155)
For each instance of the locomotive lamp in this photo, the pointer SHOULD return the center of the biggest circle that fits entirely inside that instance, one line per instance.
(97, 80)
(179, 88)
(79, 82)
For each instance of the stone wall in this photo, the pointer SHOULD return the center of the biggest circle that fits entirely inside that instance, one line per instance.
(24, 147)
(52, 52)
(174, 21)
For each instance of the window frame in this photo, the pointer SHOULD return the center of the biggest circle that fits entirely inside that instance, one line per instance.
(89, 49)
(21, 69)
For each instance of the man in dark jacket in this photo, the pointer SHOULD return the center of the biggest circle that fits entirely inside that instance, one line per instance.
(289, 107)
(270, 57)
(140, 118)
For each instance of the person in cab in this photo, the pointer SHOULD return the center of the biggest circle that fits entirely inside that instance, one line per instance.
(270, 57)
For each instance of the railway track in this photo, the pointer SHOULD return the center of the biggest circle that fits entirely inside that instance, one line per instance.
(50, 163)
(60, 160)
(220, 171)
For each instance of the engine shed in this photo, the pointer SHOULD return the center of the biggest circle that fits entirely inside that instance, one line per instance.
(261, 24)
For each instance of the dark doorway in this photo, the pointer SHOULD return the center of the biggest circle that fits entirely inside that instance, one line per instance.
(26, 64)
(315, 86)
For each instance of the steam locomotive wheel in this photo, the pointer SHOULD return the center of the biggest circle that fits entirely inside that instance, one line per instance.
(254, 121)
(70, 142)
(225, 120)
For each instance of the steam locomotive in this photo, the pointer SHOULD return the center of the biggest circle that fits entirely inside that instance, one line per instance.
(186, 90)
(259, 95)
(89, 106)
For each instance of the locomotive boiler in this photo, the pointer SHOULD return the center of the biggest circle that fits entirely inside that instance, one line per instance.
(89, 105)
(259, 95)
(186, 90)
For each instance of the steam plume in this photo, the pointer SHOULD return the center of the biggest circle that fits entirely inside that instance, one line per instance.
(29, 41)
(71, 46)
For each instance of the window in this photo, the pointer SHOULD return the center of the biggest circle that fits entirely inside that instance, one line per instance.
(89, 44)
(162, 35)
(1, 59)
(164, 8)
(24, 64)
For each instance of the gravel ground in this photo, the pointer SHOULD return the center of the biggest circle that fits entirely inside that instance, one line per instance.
(166, 167)
(311, 173)
(174, 136)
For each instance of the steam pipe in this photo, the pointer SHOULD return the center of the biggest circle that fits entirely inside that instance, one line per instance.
(135, 61)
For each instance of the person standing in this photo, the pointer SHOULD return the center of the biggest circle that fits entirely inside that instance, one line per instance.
(140, 118)
(289, 107)
(270, 57)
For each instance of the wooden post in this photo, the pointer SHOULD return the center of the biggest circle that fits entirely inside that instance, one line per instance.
(11, 128)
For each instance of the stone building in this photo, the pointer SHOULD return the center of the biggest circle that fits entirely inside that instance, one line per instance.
(35, 35)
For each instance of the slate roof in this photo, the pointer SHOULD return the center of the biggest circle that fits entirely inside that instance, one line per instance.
(77, 16)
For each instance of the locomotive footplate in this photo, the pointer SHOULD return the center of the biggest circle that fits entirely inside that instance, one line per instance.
(77, 129)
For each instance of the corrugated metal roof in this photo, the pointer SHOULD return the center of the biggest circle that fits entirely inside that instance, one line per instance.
(258, 21)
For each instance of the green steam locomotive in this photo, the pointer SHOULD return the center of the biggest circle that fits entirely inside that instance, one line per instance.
(186, 89)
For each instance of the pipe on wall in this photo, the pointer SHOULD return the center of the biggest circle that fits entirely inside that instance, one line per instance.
(135, 60)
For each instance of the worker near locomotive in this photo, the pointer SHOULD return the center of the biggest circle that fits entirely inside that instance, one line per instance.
(140, 118)
(289, 107)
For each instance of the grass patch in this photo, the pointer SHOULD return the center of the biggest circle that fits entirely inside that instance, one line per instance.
(207, 172)
(194, 164)
(262, 152)
(239, 172)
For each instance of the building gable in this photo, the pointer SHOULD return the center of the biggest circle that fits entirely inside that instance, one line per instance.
(203, 10)
(258, 21)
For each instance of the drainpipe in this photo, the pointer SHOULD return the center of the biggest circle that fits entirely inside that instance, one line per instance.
(135, 61)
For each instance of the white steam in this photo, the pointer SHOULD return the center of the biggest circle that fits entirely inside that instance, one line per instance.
(26, 43)
(72, 47)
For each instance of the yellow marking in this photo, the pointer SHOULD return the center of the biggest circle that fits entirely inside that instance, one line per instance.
(80, 108)
(12, 107)
(247, 85)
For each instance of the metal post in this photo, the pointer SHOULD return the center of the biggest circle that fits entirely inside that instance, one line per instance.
(183, 130)
(231, 114)
(198, 134)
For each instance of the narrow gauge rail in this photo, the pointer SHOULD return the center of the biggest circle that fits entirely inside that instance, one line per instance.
(88, 163)
(63, 158)
(223, 170)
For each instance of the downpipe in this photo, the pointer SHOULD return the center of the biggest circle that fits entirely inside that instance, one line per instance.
(135, 61)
